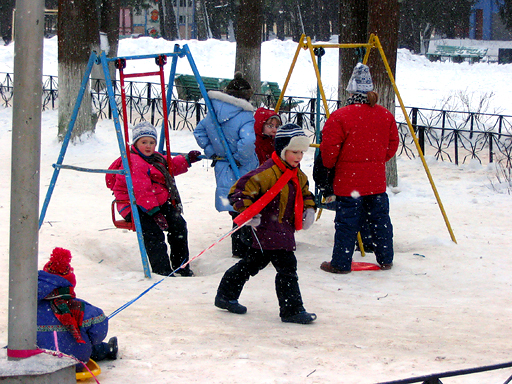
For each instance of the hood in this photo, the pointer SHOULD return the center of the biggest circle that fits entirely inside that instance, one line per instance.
(47, 282)
(227, 107)
(260, 116)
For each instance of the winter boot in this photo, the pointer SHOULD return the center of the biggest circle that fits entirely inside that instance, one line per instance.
(386, 267)
(112, 348)
(231, 305)
(300, 318)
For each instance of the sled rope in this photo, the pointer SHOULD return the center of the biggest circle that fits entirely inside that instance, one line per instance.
(126, 305)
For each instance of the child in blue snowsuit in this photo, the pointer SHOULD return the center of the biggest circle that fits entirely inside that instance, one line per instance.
(66, 323)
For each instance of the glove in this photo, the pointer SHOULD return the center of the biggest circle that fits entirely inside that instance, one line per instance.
(193, 156)
(308, 218)
(160, 221)
(255, 221)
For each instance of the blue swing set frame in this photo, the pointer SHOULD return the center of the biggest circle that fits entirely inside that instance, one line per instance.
(102, 60)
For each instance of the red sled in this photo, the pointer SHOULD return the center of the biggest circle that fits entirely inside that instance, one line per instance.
(362, 266)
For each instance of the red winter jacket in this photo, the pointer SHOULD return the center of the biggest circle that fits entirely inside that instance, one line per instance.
(264, 144)
(358, 140)
(149, 186)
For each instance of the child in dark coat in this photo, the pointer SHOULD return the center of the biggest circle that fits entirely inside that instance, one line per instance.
(158, 200)
(291, 208)
(79, 326)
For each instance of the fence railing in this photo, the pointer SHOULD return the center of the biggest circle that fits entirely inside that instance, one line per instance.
(454, 136)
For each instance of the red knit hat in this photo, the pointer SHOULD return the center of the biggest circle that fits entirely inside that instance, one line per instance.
(59, 265)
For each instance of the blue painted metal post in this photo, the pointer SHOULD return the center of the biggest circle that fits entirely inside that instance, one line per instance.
(67, 137)
(209, 105)
(170, 85)
(126, 167)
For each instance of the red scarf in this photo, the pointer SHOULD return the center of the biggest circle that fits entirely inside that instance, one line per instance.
(258, 205)
(67, 310)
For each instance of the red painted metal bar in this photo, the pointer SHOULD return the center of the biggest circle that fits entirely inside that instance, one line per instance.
(121, 64)
(161, 61)
(142, 74)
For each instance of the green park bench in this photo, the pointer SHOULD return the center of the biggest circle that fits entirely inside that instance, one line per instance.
(188, 89)
(457, 54)
(272, 89)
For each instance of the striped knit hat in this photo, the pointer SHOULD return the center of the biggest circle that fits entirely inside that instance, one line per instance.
(290, 137)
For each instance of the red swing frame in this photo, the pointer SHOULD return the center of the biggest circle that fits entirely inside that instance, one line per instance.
(120, 64)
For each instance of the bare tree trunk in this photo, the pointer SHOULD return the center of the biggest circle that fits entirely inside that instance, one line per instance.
(109, 24)
(248, 42)
(168, 24)
(6, 8)
(201, 21)
(353, 29)
(78, 33)
(383, 18)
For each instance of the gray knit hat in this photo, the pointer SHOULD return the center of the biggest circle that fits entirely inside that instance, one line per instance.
(143, 129)
(361, 80)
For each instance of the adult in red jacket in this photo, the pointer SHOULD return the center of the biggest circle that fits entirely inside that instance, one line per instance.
(266, 122)
(357, 140)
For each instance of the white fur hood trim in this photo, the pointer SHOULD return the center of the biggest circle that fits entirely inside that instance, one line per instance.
(221, 96)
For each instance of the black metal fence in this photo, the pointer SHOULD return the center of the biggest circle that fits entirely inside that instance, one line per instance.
(453, 136)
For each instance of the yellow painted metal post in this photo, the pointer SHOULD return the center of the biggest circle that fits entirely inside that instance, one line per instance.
(375, 40)
(281, 96)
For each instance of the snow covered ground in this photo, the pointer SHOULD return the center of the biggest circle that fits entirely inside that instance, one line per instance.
(443, 307)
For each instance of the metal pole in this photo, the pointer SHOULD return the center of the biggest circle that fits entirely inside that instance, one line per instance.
(25, 164)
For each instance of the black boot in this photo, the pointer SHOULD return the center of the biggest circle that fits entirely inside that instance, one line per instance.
(231, 305)
(300, 318)
(112, 348)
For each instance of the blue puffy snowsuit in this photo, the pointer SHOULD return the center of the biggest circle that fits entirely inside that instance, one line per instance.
(235, 116)
(94, 328)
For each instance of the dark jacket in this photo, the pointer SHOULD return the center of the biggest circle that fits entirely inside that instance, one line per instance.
(94, 328)
(277, 227)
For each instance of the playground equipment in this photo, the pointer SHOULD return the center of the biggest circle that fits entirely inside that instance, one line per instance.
(122, 139)
(373, 43)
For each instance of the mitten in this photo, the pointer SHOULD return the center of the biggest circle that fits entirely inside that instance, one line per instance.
(193, 156)
(255, 221)
(308, 218)
(160, 220)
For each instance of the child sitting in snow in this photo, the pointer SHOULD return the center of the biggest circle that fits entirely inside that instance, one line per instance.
(288, 205)
(158, 201)
(79, 326)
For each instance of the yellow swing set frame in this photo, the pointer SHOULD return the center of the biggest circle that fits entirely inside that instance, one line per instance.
(373, 42)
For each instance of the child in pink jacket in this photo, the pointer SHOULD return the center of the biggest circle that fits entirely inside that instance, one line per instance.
(157, 199)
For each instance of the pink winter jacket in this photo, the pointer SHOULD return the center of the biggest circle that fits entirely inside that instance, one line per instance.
(149, 186)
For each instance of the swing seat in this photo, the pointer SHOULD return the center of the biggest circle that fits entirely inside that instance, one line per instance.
(85, 374)
(121, 224)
